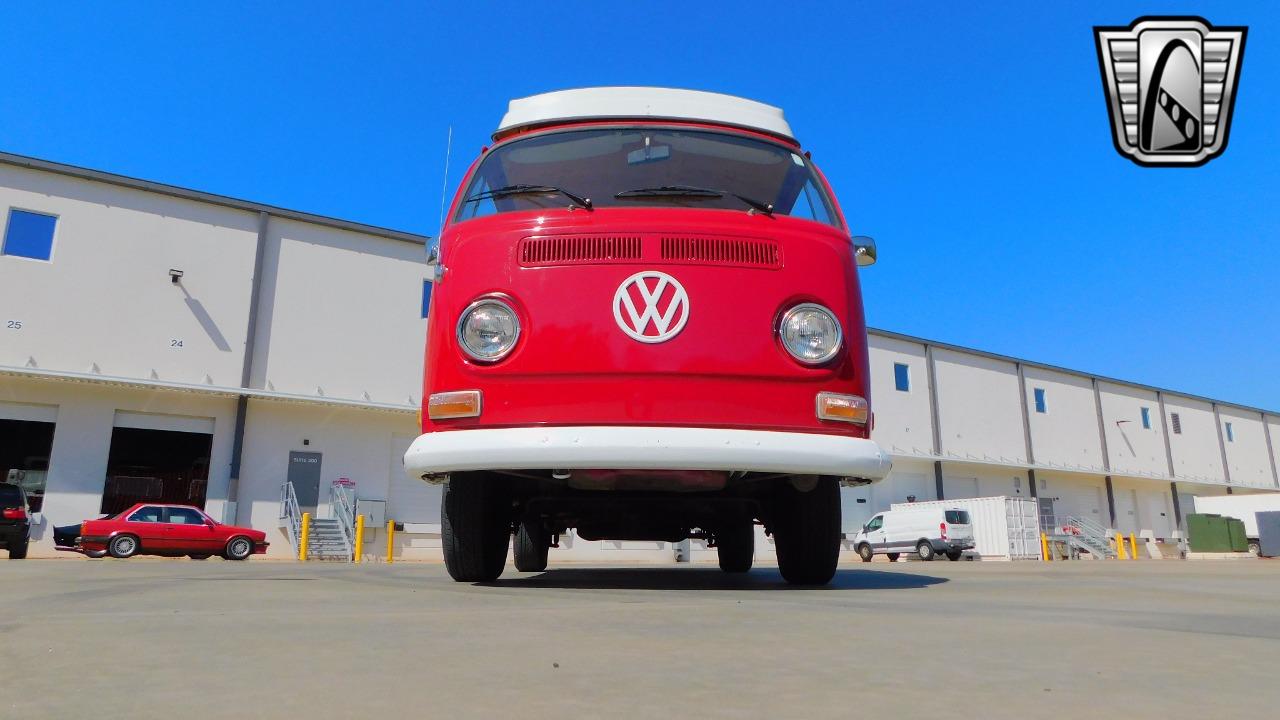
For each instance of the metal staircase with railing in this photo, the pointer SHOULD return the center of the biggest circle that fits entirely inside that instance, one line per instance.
(331, 538)
(1082, 534)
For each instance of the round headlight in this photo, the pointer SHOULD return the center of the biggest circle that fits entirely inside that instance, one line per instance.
(810, 333)
(488, 330)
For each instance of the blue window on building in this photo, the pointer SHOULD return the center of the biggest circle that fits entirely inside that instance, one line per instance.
(1040, 405)
(902, 377)
(1146, 418)
(29, 235)
(1231, 435)
(426, 297)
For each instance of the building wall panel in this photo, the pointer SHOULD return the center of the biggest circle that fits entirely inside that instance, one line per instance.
(104, 303)
(339, 315)
(1133, 449)
(903, 419)
(1246, 448)
(1066, 433)
(978, 401)
(1196, 452)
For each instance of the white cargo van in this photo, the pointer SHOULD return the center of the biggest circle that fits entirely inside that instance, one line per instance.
(927, 532)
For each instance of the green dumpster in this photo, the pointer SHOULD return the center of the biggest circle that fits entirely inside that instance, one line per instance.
(1235, 531)
(1209, 533)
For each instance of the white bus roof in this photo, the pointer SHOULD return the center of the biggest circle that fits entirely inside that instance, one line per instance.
(643, 102)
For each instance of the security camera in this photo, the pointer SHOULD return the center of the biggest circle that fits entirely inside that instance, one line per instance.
(174, 276)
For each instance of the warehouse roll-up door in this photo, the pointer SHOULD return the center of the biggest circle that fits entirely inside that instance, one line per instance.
(157, 458)
(26, 442)
(411, 501)
(960, 488)
(159, 421)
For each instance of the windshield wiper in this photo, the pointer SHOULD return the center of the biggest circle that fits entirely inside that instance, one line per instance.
(690, 191)
(509, 190)
(684, 190)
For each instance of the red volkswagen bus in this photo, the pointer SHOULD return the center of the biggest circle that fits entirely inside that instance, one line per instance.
(645, 324)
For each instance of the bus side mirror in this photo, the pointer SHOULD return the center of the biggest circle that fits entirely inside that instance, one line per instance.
(864, 250)
(435, 270)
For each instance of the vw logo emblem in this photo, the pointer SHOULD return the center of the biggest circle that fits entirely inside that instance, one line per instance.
(663, 306)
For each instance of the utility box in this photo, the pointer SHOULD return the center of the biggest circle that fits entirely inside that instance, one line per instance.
(1269, 534)
(375, 515)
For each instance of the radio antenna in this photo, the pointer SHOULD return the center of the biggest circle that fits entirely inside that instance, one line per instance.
(444, 184)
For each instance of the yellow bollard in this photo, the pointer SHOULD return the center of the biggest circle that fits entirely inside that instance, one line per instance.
(306, 532)
(355, 556)
(1120, 551)
(1133, 546)
(1044, 548)
(391, 541)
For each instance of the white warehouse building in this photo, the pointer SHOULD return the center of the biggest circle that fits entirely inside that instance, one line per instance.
(164, 344)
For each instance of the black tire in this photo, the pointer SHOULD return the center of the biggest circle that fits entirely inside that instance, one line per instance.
(806, 530)
(18, 550)
(238, 548)
(893, 557)
(954, 555)
(475, 527)
(924, 551)
(865, 552)
(96, 554)
(736, 547)
(1255, 548)
(199, 556)
(531, 546)
(123, 546)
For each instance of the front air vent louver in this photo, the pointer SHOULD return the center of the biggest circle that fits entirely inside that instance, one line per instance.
(579, 249)
(721, 251)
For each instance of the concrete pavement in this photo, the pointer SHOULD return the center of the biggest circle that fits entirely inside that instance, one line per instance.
(175, 638)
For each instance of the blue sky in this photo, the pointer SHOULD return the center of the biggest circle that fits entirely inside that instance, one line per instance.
(973, 145)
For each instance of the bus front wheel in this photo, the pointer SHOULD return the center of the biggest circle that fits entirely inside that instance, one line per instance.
(475, 527)
(806, 530)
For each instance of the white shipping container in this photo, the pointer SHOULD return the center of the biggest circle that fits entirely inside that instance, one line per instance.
(1004, 528)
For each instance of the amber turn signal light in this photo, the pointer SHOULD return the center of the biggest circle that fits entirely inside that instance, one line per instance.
(842, 408)
(460, 404)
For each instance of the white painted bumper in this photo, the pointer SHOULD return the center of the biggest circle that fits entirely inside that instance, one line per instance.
(645, 448)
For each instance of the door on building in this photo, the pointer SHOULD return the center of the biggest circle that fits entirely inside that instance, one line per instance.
(304, 475)
(1048, 516)
(147, 464)
(25, 446)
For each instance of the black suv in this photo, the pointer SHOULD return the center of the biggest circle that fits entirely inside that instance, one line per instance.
(15, 521)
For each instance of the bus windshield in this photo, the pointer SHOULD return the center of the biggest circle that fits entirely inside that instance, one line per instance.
(646, 166)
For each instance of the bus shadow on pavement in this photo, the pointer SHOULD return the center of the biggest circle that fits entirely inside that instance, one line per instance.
(710, 579)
